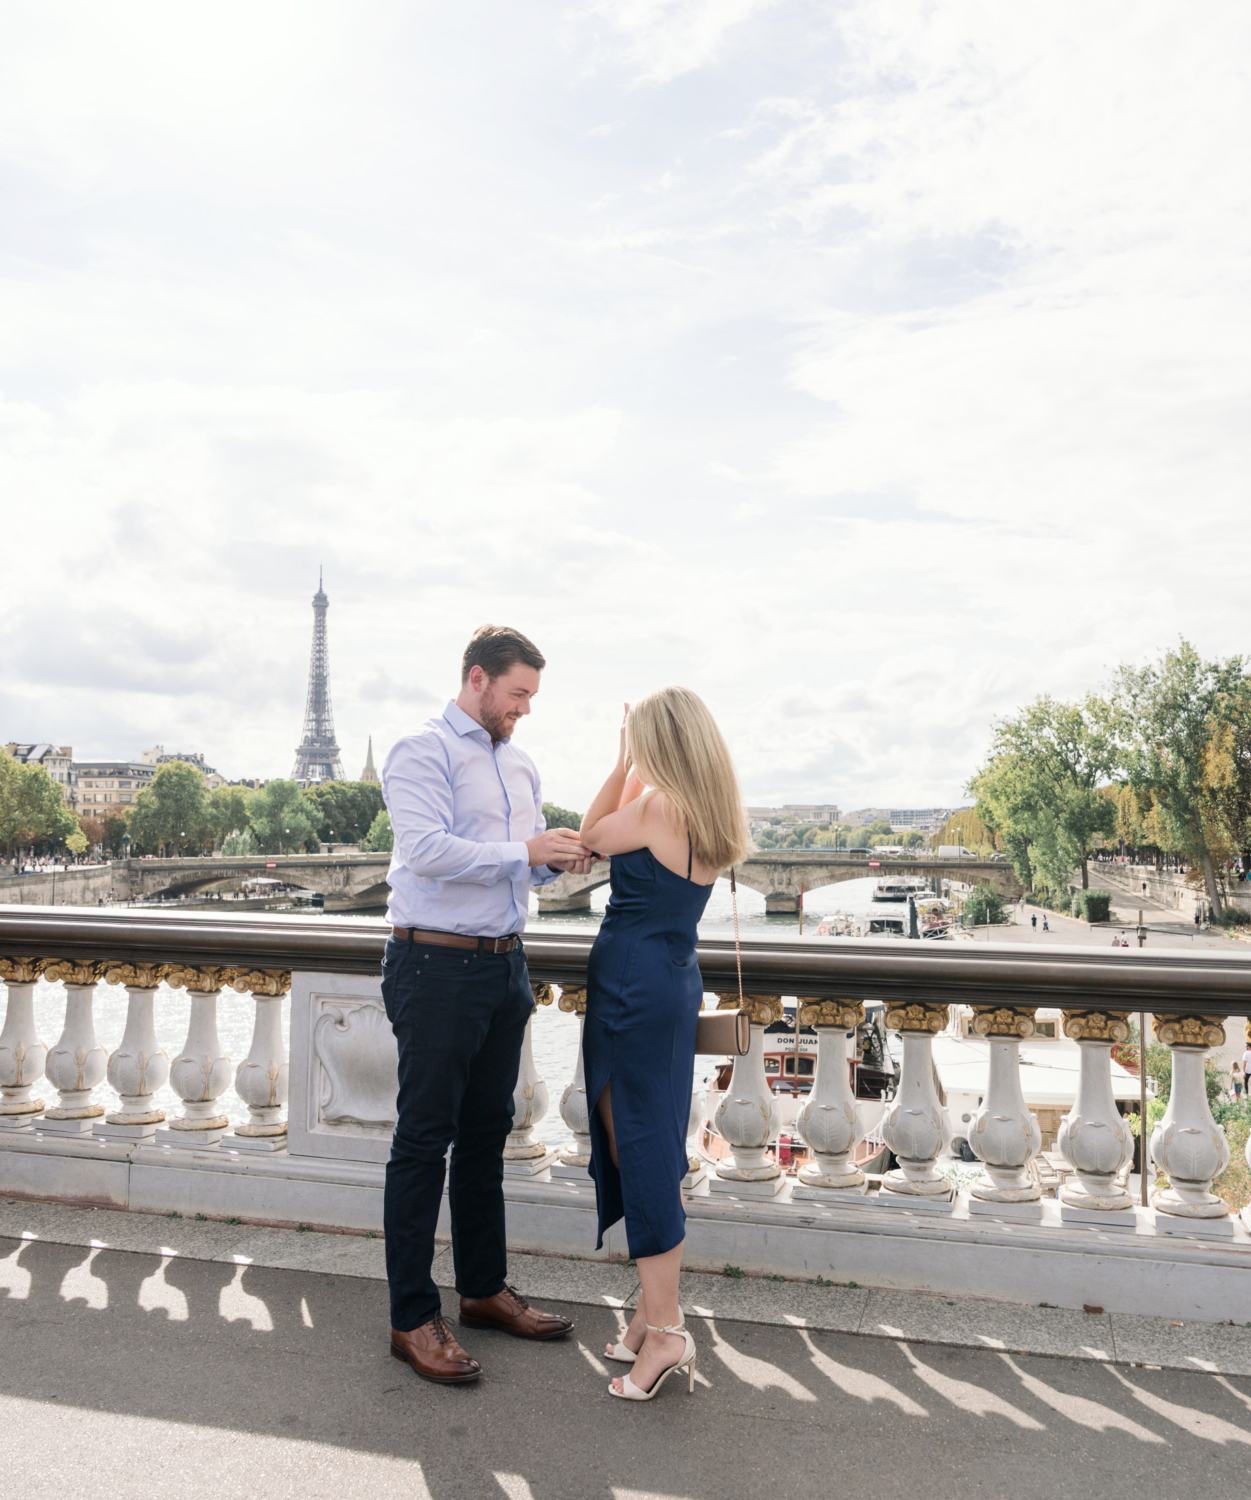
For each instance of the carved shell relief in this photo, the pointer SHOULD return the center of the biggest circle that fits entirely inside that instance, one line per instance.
(1095, 1025)
(763, 1009)
(1188, 1031)
(22, 970)
(845, 1015)
(572, 1000)
(355, 1047)
(917, 1017)
(1002, 1020)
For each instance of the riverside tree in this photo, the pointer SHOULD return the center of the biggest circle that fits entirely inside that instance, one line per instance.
(343, 811)
(31, 808)
(1168, 715)
(282, 819)
(1040, 787)
(171, 812)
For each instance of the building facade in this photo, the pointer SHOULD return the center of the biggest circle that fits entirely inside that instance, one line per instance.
(57, 761)
(109, 786)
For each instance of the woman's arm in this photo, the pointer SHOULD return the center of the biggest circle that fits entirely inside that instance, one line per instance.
(611, 795)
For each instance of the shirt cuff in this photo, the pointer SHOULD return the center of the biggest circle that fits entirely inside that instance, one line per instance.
(515, 861)
(544, 875)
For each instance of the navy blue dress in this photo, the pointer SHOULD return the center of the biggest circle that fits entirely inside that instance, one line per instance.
(644, 993)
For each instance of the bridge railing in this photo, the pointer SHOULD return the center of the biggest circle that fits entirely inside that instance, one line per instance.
(58, 1125)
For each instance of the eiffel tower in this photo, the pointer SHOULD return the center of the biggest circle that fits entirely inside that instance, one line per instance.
(317, 757)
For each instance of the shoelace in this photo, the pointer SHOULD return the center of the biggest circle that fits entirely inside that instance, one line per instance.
(441, 1331)
(517, 1298)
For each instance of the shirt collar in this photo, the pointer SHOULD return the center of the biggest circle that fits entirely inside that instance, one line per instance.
(461, 721)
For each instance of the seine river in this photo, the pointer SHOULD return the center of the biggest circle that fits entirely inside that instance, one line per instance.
(555, 1034)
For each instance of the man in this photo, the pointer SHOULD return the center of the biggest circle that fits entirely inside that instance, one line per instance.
(467, 814)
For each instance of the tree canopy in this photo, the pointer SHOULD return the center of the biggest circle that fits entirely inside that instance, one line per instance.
(343, 811)
(1040, 787)
(379, 839)
(283, 821)
(171, 812)
(31, 807)
(1180, 720)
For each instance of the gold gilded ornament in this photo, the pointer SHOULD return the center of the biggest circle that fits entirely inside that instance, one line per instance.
(1095, 1025)
(845, 1015)
(1001, 1020)
(917, 1017)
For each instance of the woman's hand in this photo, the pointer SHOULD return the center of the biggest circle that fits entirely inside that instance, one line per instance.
(623, 754)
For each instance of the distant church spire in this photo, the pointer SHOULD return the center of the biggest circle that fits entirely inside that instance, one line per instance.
(369, 774)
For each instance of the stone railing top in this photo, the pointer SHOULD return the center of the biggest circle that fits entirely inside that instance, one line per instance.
(899, 972)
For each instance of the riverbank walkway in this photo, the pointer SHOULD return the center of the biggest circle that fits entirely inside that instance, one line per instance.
(204, 1358)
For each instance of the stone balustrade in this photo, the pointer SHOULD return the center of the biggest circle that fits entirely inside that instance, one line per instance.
(81, 1125)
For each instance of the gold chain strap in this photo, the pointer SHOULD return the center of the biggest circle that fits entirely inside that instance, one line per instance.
(738, 957)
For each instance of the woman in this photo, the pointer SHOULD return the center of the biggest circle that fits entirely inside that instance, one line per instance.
(671, 817)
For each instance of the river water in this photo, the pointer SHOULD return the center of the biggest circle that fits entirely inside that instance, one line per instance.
(555, 1033)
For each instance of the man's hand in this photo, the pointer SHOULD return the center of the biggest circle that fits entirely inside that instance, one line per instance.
(558, 847)
(573, 866)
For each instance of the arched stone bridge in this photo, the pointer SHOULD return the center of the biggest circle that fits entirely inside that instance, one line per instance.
(779, 876)
(345, 880)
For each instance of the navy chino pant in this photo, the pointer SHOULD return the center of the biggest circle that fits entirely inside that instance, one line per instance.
(459, 1020)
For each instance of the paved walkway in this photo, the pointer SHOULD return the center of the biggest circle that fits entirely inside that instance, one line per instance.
(206, 1358)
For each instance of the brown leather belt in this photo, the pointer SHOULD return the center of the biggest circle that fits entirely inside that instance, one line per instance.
(456, 940)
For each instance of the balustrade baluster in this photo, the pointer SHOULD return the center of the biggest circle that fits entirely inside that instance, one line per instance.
(139, 1066)
(201, 1073)
(1094, 1138)
(696, 1171)
(1188, 1144)
(915, 1125)
(573, 1160)
(523, 1155)
(1004, 1134)
(748, 1117)
(76, 1065)
(262, 1078)
(22, 1055)
(827, 1122)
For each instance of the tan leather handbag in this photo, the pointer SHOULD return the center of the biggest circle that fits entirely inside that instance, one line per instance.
(726, 1033)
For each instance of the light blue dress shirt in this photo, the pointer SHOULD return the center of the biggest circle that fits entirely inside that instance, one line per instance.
(461, 812)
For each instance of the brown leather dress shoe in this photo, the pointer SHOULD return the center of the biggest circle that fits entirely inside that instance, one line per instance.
(434, 1354)
(509, 1312)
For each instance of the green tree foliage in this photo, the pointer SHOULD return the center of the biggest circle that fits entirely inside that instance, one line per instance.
(170, 814)
(967, 831)
(1167, 714)
(984, 906)
(114, 827)
(282, 819)
(237, 842)
(1040, 787)
(227, 811)
(31, 809)
(343, 811)
(793, 835)
(380, 839)
(560, 817)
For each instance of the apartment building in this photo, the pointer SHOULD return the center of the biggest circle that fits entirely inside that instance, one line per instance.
(57, 761)
(106, 786)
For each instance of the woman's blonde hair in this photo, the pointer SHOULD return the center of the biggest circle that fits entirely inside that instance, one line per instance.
(674, 742)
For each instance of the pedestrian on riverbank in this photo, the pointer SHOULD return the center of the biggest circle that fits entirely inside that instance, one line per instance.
(671, 816)
(1033, 920)
(470, 840)
(1045, 927)
(1237, 1078)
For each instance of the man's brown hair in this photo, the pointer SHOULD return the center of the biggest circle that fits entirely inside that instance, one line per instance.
(497, 649)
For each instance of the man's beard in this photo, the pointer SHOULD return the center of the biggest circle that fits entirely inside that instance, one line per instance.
(494, 721)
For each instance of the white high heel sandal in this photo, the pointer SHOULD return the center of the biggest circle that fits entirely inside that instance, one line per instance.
(631, 1392)
(624, 1355)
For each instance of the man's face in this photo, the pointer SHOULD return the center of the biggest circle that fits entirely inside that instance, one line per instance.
(504, 700)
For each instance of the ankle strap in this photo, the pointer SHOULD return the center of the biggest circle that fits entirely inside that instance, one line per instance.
(668, 1328)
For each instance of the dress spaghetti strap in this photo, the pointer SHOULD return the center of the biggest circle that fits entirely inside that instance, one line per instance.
(690, 853)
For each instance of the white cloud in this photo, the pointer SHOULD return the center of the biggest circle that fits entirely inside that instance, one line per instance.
(871, 368)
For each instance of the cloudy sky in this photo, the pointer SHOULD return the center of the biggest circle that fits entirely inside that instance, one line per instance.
(870, 368)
